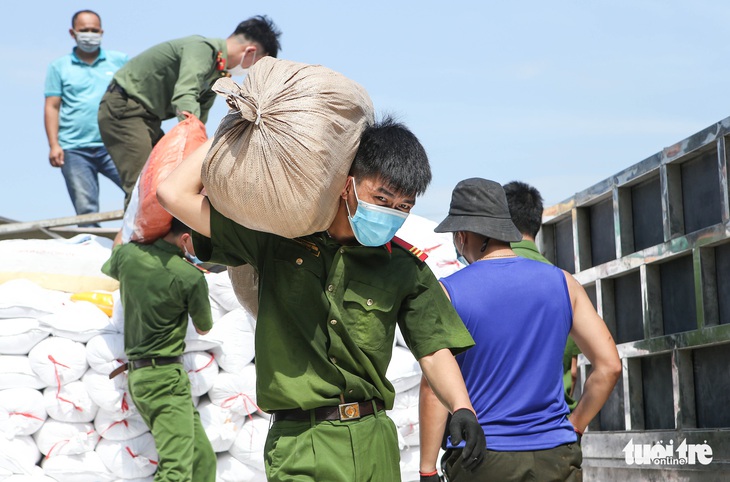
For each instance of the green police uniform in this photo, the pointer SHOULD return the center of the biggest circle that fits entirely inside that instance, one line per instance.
(528, 249)
(325, 331)
(158, 289)
(158, 84)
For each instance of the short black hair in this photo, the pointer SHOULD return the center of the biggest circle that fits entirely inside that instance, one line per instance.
(76, 15)
(525, 207)
(391, 152)
(261, 29)
(178, 227)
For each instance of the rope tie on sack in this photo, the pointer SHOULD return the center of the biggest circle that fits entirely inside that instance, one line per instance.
(228, 402)
(25, 414)
(126, 424)
(125, 404)
(230, 100)
(58, 383)
(62, 443)
(210, 362)
(134, 456)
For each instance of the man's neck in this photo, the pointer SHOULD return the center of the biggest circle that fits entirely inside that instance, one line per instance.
(527, 237)
(340, 229)
(87, 57)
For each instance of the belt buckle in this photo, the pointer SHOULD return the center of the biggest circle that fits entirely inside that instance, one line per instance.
(349, 411)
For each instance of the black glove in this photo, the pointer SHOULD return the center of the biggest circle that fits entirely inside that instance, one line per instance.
(465, 426)
(430, 478)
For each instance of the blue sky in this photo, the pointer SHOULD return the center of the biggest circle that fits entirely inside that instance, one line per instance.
(558, 94)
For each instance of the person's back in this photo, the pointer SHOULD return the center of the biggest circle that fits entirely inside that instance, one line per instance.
(158, 290)
(518, 312)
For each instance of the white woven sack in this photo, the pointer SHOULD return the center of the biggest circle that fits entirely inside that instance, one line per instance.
(110, 394)
(202, 371)
(79, 321)
(16, 372)
(22, 298)
(71, 265)
(117, 318)
(220, 290)
(236, 391)
(119, 425)
(439, 247)
(248, 447)
(280, 157)
(63, 438)
(197, 342)
(85, 467)
(22, 412)
(70, 403)
(405, 415)
(229, 469)
(58, 360)
(404, 372)
(29, 478)
(410, 463)
(105, 352)
(129, 459)
(19, 335)
(19, 455)
(235, 333)
(221, 425)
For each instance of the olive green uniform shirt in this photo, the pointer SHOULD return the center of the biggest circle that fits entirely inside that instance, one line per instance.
(175, 76)
(528, 249)
(328, 312)
(158, 289)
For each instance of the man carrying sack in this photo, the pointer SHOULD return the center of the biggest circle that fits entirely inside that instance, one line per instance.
(329, 305)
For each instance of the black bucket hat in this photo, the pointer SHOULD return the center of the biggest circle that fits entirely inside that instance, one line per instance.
(480, 206)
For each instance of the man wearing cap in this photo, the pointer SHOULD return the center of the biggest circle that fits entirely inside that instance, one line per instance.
(519, 312)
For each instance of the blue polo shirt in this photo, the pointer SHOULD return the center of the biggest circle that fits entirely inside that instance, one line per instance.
(80, 87)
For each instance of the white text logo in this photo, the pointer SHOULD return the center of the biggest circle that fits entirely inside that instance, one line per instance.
(667, 454)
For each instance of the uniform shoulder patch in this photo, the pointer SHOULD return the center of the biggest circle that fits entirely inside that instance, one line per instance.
(418, 253)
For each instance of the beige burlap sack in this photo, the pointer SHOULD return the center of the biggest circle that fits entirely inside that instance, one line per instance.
(280, 157)
(245, 282)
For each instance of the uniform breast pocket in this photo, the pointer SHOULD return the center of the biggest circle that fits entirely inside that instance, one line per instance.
(371, 315)
(299, 275)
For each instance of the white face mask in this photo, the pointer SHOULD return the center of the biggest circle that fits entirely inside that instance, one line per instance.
(88, 42)
(238, 70)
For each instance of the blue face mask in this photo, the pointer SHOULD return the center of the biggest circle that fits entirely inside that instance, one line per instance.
(460, 257)
(374, 225)
(192, 258)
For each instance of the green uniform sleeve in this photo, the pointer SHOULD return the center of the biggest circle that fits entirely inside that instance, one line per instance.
(196, 61)
(230, 243)
(110, 266)
(199, 305)
(429, 321)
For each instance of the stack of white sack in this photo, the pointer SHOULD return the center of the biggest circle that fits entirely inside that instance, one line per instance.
(62, 418)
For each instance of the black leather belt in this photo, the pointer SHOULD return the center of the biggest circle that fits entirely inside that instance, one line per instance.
(343, 411)
(114, 87)
(146, 362)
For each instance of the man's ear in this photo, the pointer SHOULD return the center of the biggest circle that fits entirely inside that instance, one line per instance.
(72, 33)
(346, 189)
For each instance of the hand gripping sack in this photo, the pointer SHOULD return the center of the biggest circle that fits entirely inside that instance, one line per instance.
(146, 220)
(281, 155)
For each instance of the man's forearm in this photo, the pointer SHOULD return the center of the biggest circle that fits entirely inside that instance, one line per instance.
(444, 377)
(597, 389)
(180, 194)
(432, 416)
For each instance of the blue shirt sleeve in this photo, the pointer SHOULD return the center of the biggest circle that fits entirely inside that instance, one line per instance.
(54, 86)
